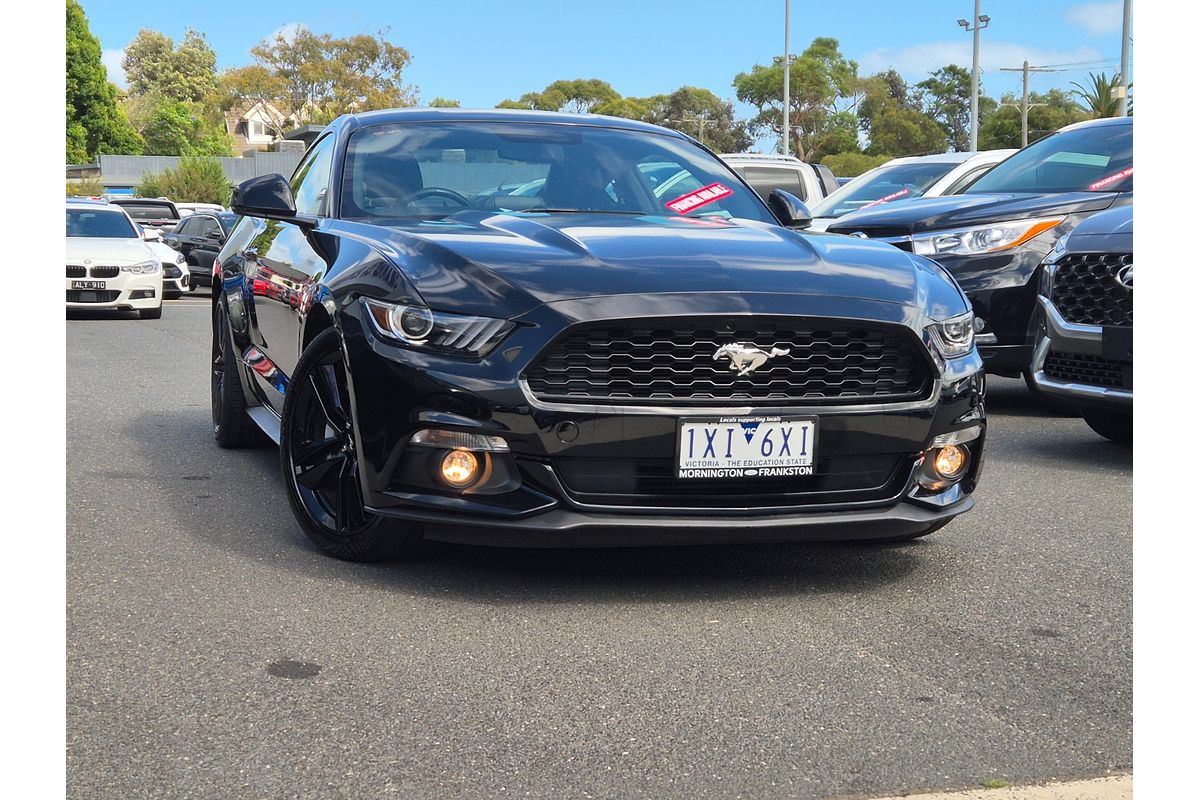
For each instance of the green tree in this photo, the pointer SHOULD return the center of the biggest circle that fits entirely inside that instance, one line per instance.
(95, 124)
(1100, 94)
(690, 109)
(195, 180)
(905, 132)
(155, 66)
(178, 128)
(849, 165)
(946, 97)
(442, 102)
(316, 77)
(823, 83)
(580, 96)
(1002, 127)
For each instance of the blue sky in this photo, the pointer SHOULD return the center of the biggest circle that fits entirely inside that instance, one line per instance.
(483, 52)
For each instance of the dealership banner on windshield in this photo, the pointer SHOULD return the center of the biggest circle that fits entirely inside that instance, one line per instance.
(740, 447)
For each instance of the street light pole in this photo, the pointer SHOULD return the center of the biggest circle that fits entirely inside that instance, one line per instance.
(1124, 87)
(787, 75)
(978, 23)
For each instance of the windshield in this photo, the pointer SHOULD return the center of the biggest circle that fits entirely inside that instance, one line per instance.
(432, 170)
(1096, 158)
(228, 221)
(86, 223)
(149, 211)
(886, 184)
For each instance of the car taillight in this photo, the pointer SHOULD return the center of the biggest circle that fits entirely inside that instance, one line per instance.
(216, 268)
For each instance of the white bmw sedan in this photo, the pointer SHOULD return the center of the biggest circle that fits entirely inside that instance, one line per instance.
(108, 263)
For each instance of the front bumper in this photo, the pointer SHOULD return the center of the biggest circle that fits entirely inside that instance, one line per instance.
(125, 291)
(591, 474)
(1056, 335)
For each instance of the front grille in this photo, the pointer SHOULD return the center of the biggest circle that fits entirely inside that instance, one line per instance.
(105, 272)
(1089, 370)
(76, 272)
(1086, 290)
(90, 296)
(671, 361)
(652, 481)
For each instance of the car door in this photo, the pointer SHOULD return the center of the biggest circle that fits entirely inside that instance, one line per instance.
(177, 239)
(280, 266)
(206, 237)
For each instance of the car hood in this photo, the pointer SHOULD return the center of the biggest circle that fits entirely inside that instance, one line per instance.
(941, 213)
(479, 262)
(107, 251)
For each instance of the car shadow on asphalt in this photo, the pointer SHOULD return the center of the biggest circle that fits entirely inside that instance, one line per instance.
(234, 499)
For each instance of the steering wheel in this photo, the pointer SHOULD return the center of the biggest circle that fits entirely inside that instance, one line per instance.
(437, 191)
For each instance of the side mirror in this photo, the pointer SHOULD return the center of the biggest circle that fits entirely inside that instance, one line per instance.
(789, 209)
(267, 196)
(152, 235)
(215, 235)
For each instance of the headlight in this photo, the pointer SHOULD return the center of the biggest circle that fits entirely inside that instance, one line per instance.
(180, 259)
(955, 336)
(144, 268)
(420, 327)
(981, 238)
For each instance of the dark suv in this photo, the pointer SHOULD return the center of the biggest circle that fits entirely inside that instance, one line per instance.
(1084, 349)
(993, 237)
(200, 238)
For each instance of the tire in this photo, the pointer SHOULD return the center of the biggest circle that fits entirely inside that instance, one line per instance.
(937, 526)
(232, 427)
(172, 295)
(320, 467)
(1116, 426)
(150, 313)
(191, 286)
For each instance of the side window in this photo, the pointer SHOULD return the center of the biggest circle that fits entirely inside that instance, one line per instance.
(767, 179)
(966, 180)
(310, 184)
(184, 228)
(208, 226)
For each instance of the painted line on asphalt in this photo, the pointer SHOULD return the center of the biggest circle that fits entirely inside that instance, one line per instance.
(1118, 787)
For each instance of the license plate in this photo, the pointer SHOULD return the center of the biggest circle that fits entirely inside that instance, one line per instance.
(742, 447)
(88, 284)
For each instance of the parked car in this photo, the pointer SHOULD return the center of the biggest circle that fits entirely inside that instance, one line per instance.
(994, 235)
(1084, 347)
(904, 179)
(176, 275)
(766, 173)
(153, 214)
(606, 366)
(191, 208)
(198, 238)
(108, 263)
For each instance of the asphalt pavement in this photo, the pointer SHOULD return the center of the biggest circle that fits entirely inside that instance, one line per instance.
(212, 652)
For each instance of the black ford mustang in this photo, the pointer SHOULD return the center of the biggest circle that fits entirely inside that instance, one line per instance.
(527, 328)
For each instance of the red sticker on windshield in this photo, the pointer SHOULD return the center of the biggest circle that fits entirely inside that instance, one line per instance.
(1114, 178)
(700, 197)
(889, 198)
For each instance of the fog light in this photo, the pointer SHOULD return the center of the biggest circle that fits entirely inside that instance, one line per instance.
(460, 468)
(950, 462)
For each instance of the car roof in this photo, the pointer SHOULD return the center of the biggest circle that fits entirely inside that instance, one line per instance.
(1096, 123)
(93, 204)
(949, 158)
(513, 115)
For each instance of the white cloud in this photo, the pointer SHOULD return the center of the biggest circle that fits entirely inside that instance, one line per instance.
(1098, 19)
(288, 31)
(917, 61)
(112, 62)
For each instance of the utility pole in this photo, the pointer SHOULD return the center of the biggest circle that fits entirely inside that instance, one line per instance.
(1124, 87)
(978, 23)
(699, 122)
(1025, 104)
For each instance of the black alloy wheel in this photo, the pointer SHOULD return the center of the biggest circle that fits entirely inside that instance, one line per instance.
(320, 462)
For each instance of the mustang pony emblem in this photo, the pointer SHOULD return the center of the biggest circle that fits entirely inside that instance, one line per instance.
(745, 358)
